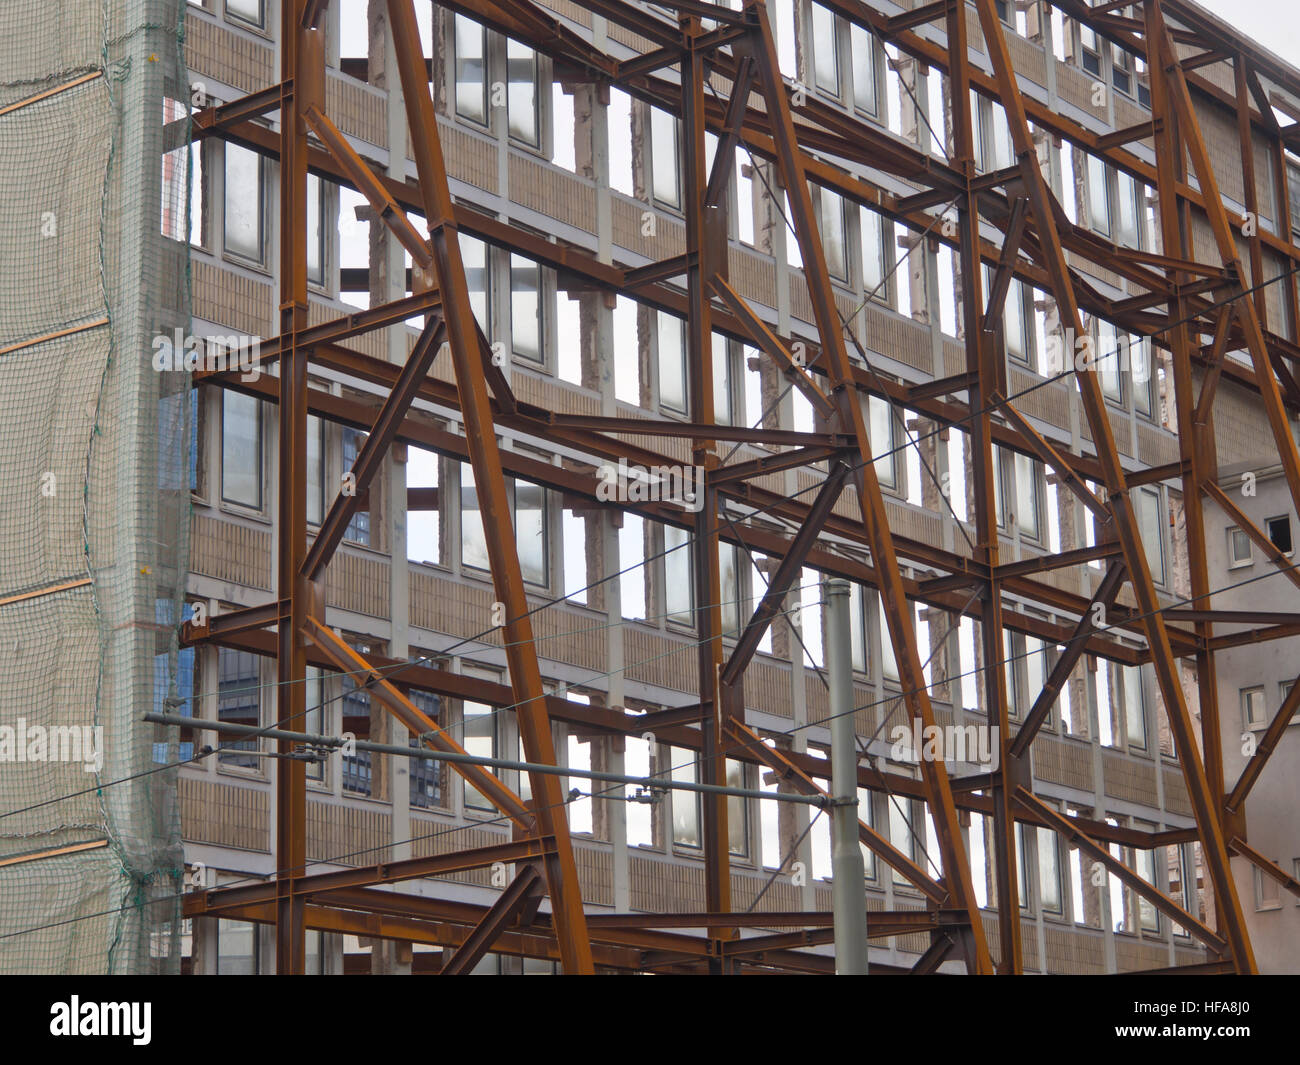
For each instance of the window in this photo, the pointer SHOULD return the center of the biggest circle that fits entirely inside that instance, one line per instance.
(1139, 354)
(1098, 196)
(239, 703)
(313, 721)
(526, 323)
(241, 449)
(1134, 706)
(315, 230)
(685, 804)
(1238, 548)
(875, 255)
(237, 948)
(521, 94)
(426, 775)
(862, 49)
(671, 334)
(834, 240)
(888, 660)
(1148, 915)
(1130, 210)
(825, 42)
(729, 573)
(245, 231)
(721, 380)
(531, 532)
(315, 469)
(1151, 524)
(358, 530)
(901, 819)
(251, 11)
(1027, 504)
(471, 70)
(479, 738)
(1253, 711)
(1090, 45)
(1106, 360)
(880, 430)
(474, 255)
(665, 174)
(1279, 533)
(679, 598)
(357, 768)
(1049, 872)
(737, 810)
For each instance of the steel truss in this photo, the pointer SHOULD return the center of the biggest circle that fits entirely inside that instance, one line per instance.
(710, 47)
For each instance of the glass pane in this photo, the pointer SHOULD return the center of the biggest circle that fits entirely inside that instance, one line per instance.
(686, 804)
(471, 70)
(243, 202)
(1049, 871)
(1027, 495)
(677, 574)
(478, 738)
(864, 70)
(359, 527)
(238, 702)
(1133, 706)
(721, 382)
(672, 361)
(1151, 524)
(315, 469)
(241, 450)
(832, 232)
(664, 168)
(1098, 201)
(530, 530)
(474, 255)
(521, 72)
(525, 307)
(473, 544)
(881, 432)
(737, 810)
(315, 232)
(826, 66)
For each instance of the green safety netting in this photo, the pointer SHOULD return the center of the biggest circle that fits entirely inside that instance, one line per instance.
(95, 473)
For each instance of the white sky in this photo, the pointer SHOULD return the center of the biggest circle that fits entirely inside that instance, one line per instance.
(1272, 23)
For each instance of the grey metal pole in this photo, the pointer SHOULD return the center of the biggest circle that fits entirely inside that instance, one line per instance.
(848, 888)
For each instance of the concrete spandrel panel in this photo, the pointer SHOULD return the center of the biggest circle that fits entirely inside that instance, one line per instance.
(43, 43)
(48, 399)
(55, 162)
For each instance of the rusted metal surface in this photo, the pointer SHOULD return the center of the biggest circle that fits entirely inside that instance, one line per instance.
(1179, 298)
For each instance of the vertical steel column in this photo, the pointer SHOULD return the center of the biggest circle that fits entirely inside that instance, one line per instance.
(983, 355)
(485, 457)
(707, 575)
(848, 401)
(302, 73)
(1122, 512)
(1196, 442)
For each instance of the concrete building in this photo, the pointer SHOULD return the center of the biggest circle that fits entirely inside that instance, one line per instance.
(591, 173)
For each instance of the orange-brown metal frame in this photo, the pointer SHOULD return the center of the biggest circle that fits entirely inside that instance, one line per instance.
(1036, 246)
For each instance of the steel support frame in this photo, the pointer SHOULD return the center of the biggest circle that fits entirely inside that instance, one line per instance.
(1034, 247)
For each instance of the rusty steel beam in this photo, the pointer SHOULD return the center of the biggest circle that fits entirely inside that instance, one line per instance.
(1266, 746)
(508, 905)
(498, 526)
(1199, 788)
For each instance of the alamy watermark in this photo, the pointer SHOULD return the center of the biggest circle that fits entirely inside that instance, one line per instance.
(21, 742)
(973, 744)
(683, 485)
(215, 354)
(1067, 350)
